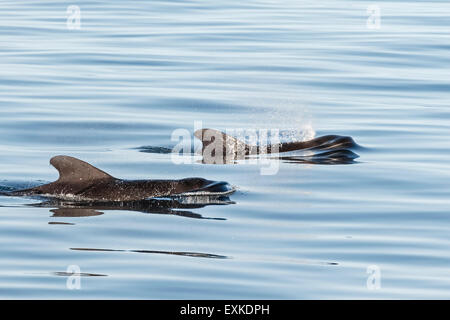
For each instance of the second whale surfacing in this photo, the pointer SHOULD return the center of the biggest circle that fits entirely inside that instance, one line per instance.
(219, 147)
(82, 181)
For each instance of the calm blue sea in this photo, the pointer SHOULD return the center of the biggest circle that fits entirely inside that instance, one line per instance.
(127, 74)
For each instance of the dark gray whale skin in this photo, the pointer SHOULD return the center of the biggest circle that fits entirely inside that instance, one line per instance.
(83, 181)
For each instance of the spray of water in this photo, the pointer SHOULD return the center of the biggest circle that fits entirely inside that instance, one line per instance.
(293, 122)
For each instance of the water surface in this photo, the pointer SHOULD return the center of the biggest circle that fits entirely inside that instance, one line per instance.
(138, 70)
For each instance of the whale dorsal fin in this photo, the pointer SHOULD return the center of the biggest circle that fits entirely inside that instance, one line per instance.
(75, 170)
(214, 140)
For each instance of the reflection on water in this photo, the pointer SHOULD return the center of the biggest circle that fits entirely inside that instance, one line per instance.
(71, 212)
(329, 157)
(62, 223)
(80, 274)
(153, 206)
(184, 254)
(153, 149)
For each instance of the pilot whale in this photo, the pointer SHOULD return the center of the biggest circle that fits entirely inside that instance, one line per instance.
(217, 144)
(82, 181)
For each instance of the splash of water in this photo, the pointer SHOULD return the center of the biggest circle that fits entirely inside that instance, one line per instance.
(293, 122)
